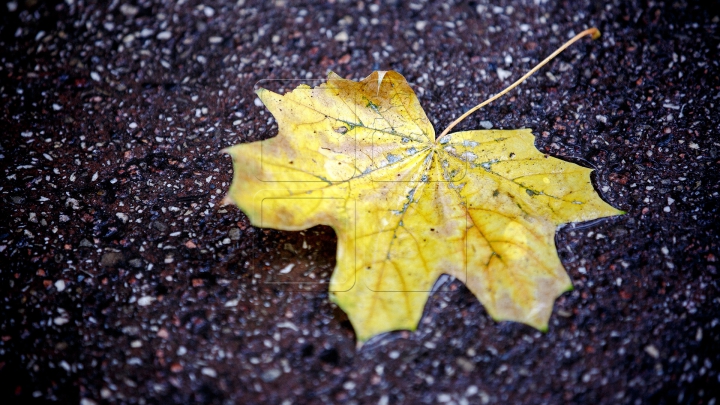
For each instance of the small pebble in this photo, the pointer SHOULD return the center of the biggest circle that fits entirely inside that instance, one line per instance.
(129, 10)
(209, 372)
(503, 74)
(287, 269)
(60, 320)
(652, 351)
(271, 375)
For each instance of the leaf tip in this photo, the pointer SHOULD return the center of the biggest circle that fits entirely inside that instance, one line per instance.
(260, 91)
(595, 33)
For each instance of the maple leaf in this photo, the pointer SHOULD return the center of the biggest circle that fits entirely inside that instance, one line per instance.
(362, 157)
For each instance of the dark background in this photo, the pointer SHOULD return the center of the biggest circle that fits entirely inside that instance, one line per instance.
(122, 107)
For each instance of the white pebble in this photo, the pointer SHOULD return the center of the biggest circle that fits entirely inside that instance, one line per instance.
(287, 269)
(652, 351)
(503, 74)
(128, 10)
(60, 320)
(60, 285)
(288, 325)
(444, 398)
(209, 372)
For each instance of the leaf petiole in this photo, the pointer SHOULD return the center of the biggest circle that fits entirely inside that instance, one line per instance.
(593, 32)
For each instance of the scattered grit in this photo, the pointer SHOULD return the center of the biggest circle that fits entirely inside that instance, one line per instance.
(123, 280)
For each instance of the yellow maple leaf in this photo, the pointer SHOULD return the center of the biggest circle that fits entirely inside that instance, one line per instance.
(362, 157)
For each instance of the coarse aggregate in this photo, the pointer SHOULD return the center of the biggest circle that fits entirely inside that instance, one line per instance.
(124, 280)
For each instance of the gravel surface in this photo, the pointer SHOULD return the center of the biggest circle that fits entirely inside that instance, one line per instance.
(123, 279)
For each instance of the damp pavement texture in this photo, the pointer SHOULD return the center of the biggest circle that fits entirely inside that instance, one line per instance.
(123, 279)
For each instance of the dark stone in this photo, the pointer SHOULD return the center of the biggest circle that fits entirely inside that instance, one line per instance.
(111, 259)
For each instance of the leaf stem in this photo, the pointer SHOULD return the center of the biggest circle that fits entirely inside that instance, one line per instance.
(593, 32)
